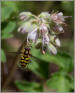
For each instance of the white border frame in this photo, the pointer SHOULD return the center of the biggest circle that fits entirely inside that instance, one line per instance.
(0, 46)
(74, 44)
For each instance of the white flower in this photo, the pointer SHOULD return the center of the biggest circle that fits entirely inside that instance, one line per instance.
(57, 41)
(26, 27)
(44, 34)
(43, 27)
(58, 28)
(58, 18)
(45, 39)
(24, 15)
(60, 14)
(52, 49)
(43, 30)
(44, 15)
(32, 35)
(22, 29)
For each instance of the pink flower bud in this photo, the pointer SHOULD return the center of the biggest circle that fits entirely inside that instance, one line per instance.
(58, 18)
(43, 30)
(58, 28)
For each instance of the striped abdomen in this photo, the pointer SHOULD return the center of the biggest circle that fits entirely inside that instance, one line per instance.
(25, 58)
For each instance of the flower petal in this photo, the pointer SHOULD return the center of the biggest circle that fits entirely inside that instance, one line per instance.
(45, 40)
(32, 35)
(26, 27)
(58, 28)
(44, 15)
(52, 49)
(57, 41)
(22, 29)
(58, 18)
(24, 15)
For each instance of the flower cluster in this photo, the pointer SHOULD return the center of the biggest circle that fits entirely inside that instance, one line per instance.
(42, 29)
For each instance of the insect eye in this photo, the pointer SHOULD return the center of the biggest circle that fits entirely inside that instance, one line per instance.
(27, 48)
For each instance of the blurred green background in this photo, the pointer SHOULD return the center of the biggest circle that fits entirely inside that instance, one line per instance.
(48, 73)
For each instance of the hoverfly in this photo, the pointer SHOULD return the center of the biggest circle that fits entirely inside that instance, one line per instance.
(25, 56)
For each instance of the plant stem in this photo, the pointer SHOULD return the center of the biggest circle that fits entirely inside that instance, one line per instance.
(13, 69)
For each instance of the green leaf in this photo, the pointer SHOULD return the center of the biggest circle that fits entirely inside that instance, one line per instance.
(60, 83)
(66, 5)
(3, 56)
(63, 60)
(9, 28)
(6, 13)
(11, 4)
(28, 86)
(39, 67)
(6, 36)
(7, 31)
